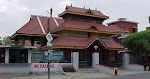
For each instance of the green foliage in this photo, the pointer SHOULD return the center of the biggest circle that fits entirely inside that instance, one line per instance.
(6, 40)
(138, 43)
(37, 50)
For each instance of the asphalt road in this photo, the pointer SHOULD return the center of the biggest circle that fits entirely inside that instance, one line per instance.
(133, 76)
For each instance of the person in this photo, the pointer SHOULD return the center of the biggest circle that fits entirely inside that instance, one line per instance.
(145, 62)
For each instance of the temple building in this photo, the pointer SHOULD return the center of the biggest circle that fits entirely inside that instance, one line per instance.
(78, 30)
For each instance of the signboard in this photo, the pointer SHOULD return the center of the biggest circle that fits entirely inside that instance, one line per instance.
(49, 37)
(54, 55)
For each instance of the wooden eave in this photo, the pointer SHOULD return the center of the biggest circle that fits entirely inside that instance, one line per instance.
(84, 30)
(83, 14)
(82, 47)
(21, 34)
(68, 47)
(116, 49)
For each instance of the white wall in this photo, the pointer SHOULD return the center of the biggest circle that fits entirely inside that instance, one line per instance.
(127, 65)
(125, 60)
(105, 69)
(42, 67)
(15, 68)
(6, 55)
(29, 55)
(75, 60)
(27, 68)
(95, 59)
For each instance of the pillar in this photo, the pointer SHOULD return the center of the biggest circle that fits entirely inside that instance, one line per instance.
(6, 55)
(75, 60)
(95, 59)
(29, 55)
(125, 60)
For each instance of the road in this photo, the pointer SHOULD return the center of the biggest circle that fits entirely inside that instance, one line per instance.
(124, 74)
(133, 76)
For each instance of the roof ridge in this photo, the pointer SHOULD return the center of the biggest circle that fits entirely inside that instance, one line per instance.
(45, 16)
(84, 8)
(39, 16)
(122, 21)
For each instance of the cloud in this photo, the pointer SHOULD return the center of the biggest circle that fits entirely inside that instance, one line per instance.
(15, 13)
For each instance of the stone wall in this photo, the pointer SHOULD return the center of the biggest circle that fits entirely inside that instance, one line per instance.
(37, 57)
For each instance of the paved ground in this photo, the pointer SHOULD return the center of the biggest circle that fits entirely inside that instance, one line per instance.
(129, 72)
(124, 74)
(131, 76)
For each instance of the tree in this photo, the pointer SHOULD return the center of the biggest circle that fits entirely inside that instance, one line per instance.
(138, 43)
(6, 40)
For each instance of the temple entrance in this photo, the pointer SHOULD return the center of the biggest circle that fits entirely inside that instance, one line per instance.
(85, 59)
(85, 56)
(89, 57)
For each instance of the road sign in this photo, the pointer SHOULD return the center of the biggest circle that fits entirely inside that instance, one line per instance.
(49, 37)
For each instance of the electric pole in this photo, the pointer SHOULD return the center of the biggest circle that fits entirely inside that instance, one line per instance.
(49, 38)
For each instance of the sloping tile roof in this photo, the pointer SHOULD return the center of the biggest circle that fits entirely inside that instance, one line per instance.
(110, 44)
(33, 26)
(84, 25)
(85, 42)
(84, 11)
(72, 41)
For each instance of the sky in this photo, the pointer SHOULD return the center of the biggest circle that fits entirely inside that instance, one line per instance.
(15, 13)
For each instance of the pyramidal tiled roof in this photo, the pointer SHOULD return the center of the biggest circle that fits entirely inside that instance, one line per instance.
(84, 11)
(38, 25)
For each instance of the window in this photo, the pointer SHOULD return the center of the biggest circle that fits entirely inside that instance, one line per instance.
(134, 29)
